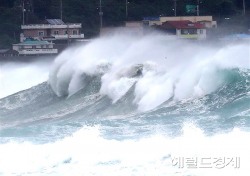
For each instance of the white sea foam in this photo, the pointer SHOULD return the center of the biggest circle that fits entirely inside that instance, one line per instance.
(87, 152)
(178, 69)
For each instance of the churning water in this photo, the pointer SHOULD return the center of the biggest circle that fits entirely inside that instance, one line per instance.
(129, 106)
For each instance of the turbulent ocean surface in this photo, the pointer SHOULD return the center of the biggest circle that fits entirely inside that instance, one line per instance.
(127, 106)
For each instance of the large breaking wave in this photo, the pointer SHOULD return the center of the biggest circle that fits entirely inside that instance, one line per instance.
(131, 106)
(159, 68)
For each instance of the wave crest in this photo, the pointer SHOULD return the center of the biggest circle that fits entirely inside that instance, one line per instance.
(152, 63)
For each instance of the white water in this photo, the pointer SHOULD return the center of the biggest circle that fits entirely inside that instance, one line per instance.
(17, 76)
(172, 68)
(87, 152)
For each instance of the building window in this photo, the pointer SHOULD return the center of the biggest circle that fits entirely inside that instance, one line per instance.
(188, 31)
(40, 33)
(74, 32)
(201, 31)
(56, 32)
(65, 32)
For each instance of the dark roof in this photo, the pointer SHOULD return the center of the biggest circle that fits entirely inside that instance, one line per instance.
(185, 24)
(55, 21)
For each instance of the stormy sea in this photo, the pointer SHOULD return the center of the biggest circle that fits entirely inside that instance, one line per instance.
(128, 106)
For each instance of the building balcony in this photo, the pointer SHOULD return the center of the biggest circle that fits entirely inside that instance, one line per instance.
(54, 37)
(189, 36)
(37, 51)
(50, 26)
(192, 36)
(66, 36)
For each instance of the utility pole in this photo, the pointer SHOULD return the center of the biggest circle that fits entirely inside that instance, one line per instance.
(126, 9)
(244, 7)
(175, 6)
(198, 7)
(101, 14)
(23, 10)
(61, 11)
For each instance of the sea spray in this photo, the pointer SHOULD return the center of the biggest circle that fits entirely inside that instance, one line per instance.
(20, 75)
(193, 72)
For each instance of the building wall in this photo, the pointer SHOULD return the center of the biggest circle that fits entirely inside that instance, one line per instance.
(15, 47)
(34, 32)
(151, 23)
(64, 32)
(190, 18)
(200, 34)
(206, 20)
(133, 24)
(38, 51)
(34, 49)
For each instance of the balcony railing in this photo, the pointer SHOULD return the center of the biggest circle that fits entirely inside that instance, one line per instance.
(49, 26)
(66, 36)
(37, 51)
(190, 36)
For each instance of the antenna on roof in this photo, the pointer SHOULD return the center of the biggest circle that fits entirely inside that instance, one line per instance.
(127, 9)
(23, 10)
(100, 13)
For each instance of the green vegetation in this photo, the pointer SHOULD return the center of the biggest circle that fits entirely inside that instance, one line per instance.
(87, 13)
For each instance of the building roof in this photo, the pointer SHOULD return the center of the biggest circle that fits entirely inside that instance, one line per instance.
(55, 21)
(30, 41)
(185, 24)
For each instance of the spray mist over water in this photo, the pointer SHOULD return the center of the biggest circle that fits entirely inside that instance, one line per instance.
(17, 76)
(170, 68)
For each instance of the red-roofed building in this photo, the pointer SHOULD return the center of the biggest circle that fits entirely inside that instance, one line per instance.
(184, 29)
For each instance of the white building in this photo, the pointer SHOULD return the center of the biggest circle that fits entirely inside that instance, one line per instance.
(34, 47)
